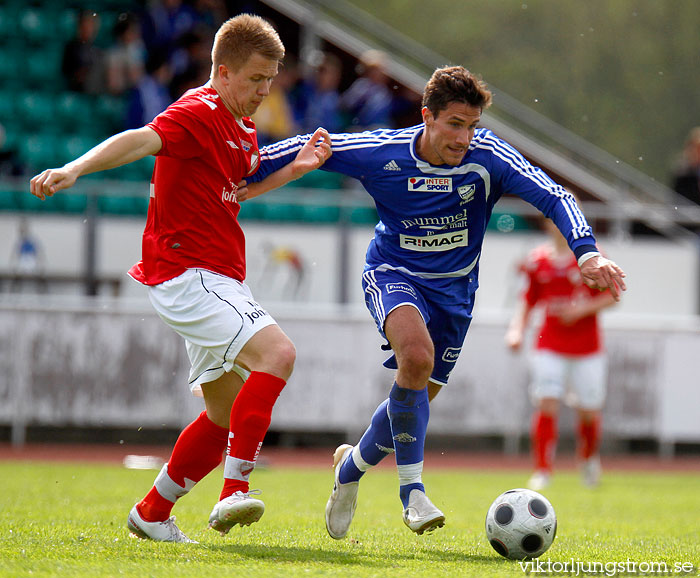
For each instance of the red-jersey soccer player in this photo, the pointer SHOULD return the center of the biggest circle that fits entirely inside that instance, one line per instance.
(568, 360)
(193, 263)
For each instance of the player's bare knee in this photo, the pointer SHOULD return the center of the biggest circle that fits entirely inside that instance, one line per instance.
(285, 356)
(415, 366)
(279, 359)
(549, 405)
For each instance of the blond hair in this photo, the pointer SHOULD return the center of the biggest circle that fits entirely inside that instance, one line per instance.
(242, 36)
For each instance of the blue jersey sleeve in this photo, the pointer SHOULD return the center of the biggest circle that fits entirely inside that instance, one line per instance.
(346, 159)
(275, 156)
(518, 177)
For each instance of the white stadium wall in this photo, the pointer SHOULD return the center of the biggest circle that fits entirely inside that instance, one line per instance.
(115, 364)
(662, 275)
(120, 368)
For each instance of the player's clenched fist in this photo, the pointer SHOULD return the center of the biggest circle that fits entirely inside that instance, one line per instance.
(48, 182)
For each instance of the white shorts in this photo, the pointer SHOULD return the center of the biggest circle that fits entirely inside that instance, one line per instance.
(216, 315)
(579, 380)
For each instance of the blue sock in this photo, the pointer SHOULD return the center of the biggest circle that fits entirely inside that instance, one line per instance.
(374, 445)
(409, 412)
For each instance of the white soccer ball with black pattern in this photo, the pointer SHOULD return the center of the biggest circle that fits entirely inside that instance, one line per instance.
(521, 524)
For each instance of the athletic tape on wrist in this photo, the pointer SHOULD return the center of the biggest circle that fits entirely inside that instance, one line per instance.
(583, 258)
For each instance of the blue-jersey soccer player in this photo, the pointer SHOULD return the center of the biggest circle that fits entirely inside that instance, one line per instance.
(435, 186)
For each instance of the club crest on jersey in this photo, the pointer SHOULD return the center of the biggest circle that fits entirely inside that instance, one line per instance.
(246, 145)
(466, 192)
(430, 184)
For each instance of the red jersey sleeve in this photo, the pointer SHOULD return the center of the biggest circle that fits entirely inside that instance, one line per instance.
(181, 133)
(531, 293)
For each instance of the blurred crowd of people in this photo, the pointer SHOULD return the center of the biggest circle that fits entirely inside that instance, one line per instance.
(156, 54)
(163, 50)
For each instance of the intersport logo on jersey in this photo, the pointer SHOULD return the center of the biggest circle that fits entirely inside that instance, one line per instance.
(430, 184)
(443, 242)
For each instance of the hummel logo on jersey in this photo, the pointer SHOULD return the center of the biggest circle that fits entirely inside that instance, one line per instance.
(392, 166)
(207, 99)
(232, 144)
(430, 184)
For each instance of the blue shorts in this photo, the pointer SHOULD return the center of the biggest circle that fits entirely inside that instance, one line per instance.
(447, 322)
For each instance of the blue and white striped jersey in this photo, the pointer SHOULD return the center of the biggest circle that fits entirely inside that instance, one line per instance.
(433, 218)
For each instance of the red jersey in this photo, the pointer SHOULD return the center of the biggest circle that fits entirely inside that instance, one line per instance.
(552, 281)
(192, 214)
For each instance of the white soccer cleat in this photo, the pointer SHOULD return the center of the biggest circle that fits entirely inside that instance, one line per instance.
(341, 505)
(159, 531)
(590, 472)
(421, 515)
(539, 481)
(238, 508)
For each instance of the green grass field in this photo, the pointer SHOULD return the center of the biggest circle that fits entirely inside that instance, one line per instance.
(69, 520)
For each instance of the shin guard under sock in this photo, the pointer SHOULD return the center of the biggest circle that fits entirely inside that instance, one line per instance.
(374, 445)
(544, 440)
(198, 450)
(409, 412)
(250, 417)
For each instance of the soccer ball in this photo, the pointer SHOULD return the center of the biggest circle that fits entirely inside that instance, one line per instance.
(521, 524)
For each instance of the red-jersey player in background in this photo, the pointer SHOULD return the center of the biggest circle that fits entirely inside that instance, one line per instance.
(193, 262)
(568, 361)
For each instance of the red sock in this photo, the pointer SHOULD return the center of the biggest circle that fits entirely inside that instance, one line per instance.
(250, 418)
(544, 440)
(589, 437)
(198, 450)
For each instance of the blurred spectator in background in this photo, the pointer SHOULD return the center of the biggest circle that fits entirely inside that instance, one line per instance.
(368, 101)
(212, 13)
(163, 23)
(151, 95)
(27, 260)
(10, 164)
(686, 178)
(405, 102)
(83, 62)
(568, 363)
(274, 119)
(196, 75)
(191, 61)
(321, 97)
(126, 59)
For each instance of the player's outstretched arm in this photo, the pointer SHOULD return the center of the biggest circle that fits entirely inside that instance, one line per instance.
(118, 150)
(517, 326)
(601, 273)
(311, 156)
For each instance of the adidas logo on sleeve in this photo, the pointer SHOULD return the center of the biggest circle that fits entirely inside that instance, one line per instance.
(392, 166)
